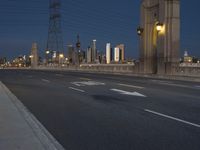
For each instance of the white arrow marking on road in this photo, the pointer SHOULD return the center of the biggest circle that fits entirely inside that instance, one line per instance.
(128, 93)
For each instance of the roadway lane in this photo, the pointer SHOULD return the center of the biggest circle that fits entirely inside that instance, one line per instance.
(103, 112)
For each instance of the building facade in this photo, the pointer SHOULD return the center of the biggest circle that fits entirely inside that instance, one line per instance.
(122, 52)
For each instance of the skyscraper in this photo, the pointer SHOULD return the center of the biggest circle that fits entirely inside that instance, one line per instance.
(34, 55)
(89, 55)
(80, 53)
(94, 51)
(122, 51)
(78, 43)
(108, 53)
(117, 54)
(71, 54)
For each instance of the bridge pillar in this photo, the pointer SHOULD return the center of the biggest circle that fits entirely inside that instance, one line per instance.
(159, 36)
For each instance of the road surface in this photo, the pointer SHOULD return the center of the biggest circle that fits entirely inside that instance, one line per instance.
(86, 111)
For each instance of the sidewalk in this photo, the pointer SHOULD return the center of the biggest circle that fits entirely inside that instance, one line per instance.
(19, 129)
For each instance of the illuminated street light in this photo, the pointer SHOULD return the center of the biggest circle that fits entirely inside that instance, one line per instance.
(31, 56)
(61, 56)
(140, 31)
(47, 52)
(159, 26)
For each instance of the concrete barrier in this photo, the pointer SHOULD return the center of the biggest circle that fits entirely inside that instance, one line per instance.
(188, 71)
(109, 68)
(181, 73)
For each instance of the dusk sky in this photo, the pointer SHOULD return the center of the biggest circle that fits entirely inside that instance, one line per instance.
(114, 21)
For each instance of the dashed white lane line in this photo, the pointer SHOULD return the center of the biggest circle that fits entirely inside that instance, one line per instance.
(170, 83)
(177, 85)
(87, 79)
(87, 83)
(44, 80)
(172, 118)
(161, 81)
(132, 86)
(79, 90)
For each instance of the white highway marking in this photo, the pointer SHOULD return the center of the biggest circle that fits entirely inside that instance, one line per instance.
(44, 80)
(132, 86)
(87, 83)
(160, 81)
(177, 85)
(173, 118)
(79, 90)
(128, 93)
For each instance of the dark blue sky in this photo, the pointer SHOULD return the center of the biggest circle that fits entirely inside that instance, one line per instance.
(115, 21)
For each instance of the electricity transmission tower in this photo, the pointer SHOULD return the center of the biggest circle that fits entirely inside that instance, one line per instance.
(55, 39)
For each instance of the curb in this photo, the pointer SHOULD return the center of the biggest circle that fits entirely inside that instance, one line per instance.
(45, 138)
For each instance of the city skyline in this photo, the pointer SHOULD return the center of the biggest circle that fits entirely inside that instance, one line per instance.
(26, 23)
(110, 75)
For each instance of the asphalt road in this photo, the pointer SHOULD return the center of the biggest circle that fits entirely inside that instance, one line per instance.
(86, 111)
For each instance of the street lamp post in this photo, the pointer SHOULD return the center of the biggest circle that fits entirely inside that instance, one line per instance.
(61, 57)
(47, 56)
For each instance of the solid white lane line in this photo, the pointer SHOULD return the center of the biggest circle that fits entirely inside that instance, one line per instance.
(132, 86)
(44, 80)
(79, 90)
(173, 118)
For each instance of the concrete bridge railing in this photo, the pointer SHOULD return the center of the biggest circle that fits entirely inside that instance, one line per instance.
(131, 69)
